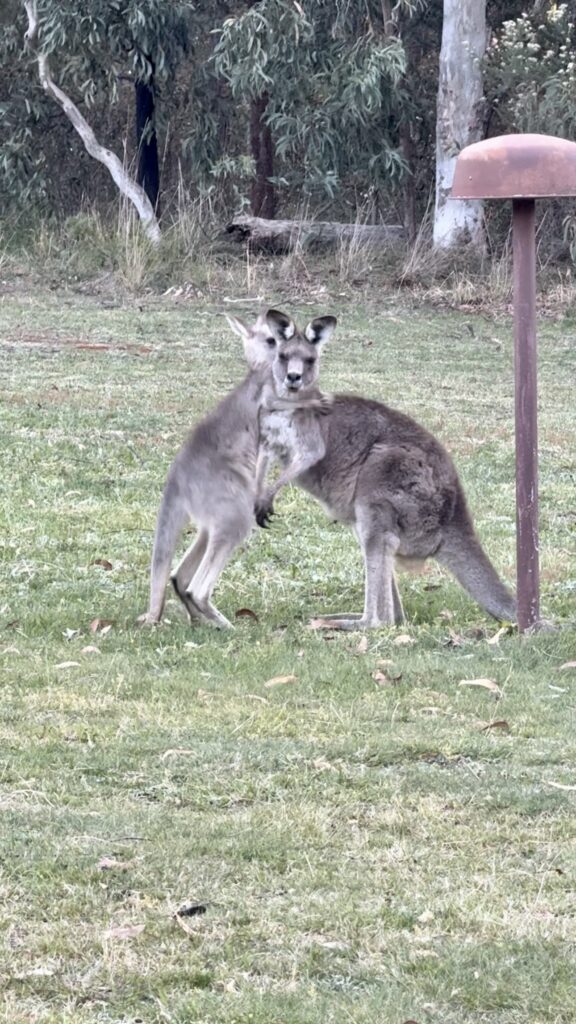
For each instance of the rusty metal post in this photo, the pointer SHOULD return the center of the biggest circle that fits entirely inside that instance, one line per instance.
(525, 365)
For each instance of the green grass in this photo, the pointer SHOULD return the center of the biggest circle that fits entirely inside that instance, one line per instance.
(366, 853)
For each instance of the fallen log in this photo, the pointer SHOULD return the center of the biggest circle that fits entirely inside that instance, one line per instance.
(280, 236)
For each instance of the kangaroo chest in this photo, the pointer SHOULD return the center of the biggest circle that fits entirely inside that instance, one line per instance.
(279, 434)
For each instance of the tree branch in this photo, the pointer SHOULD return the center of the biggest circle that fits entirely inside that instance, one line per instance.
(126, 185)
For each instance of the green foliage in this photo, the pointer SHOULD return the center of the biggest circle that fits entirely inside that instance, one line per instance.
(332, 76)
(531, 72)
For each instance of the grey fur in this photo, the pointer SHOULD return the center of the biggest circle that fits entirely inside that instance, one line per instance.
(381, 473)
(212, 480)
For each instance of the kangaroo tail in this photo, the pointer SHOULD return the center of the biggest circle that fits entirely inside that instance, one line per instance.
(172, 517)
(462, 553)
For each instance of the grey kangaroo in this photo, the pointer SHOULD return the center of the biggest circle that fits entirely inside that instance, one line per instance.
(380, 472)
(212, 480)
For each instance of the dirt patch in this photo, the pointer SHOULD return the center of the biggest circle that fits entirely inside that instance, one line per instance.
(54, 342)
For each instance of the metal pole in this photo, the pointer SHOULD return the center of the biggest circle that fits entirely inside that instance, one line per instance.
(525, 368)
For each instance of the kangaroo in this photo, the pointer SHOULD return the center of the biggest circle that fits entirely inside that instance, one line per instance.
(212, 480)
(388, 478)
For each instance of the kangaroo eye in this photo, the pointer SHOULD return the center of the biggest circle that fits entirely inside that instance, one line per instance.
(271, 342)
(310, 362)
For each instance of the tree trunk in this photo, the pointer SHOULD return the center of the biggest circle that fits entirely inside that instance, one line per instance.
(459, 118)
(280, 236)
(263, 198)
(148, 173)
(126, 185)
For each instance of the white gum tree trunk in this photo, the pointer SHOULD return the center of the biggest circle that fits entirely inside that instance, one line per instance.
(459, 117)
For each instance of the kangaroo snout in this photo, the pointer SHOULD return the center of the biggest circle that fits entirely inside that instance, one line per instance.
(294, 379)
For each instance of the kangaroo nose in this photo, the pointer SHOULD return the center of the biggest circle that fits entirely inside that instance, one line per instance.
(293, 377)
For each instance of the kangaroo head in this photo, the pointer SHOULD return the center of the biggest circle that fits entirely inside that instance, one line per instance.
(259, 342)
(296, 356)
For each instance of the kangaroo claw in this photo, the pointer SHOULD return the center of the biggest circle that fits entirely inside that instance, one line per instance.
(264, 516)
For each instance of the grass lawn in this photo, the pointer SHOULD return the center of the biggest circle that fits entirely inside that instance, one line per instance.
(365, 851)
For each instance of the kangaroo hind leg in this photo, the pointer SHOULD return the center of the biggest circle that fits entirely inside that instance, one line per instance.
(222, 541)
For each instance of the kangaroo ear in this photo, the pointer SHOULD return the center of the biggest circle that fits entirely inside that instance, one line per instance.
(281, 326)
(320, 331)
(238, 327)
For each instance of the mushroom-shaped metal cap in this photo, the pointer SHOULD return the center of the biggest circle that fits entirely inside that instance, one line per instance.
(516, 167)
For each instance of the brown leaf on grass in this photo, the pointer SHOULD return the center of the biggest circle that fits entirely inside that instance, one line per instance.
(499, 723)
(503, 631)
(176, 752)
(280, 680)
(104, 563)
(567, 665)
(485, 684)
(102, 626)
(67, 664)
(362, 645)
(246, 613)
(454, 639)
(403, 639)
(127, 931)
(561, 785)
(90, 649)
(381, 679)
(110, 864)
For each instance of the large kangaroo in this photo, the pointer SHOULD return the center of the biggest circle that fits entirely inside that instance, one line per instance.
(388, 478)
(212, 480)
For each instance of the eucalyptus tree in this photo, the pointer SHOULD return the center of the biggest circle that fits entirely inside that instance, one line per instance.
(460, 118)
(83, 53)
(321, 80)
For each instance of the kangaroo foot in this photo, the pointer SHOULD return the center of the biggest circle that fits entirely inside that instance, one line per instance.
(148, 619)
(204, 612)
(345, 621)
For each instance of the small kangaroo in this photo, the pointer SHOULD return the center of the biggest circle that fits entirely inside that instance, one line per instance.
(387, 477)
(212, 480)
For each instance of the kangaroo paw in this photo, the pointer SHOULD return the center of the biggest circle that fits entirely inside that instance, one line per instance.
(264, 515)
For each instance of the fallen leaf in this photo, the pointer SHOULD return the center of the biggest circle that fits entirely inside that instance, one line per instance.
(322, 765)
(127, 931)
(320, 624)
(384, 662)
(205, 694)
(69, 634)
(280, 680)
(256, 696)
(246, 613)
(486, 684)
(191, 910)
(499, 723)
(104, 563)
(561, 785)
(101, 626)
(90, 649)
(176, 751)
(67, 664)
(503, 631)
(404, 639)
(426, 917)
(382, 680)
(362, 645)
(454, 639)
(110, 864)
(567, 664)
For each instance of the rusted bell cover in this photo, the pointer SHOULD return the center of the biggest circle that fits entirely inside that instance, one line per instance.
(516, 167)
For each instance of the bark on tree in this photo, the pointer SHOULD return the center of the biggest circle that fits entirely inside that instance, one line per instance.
(127, 186)
(281, 236)
(148, 173)
(459, 118)
(263, 198)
